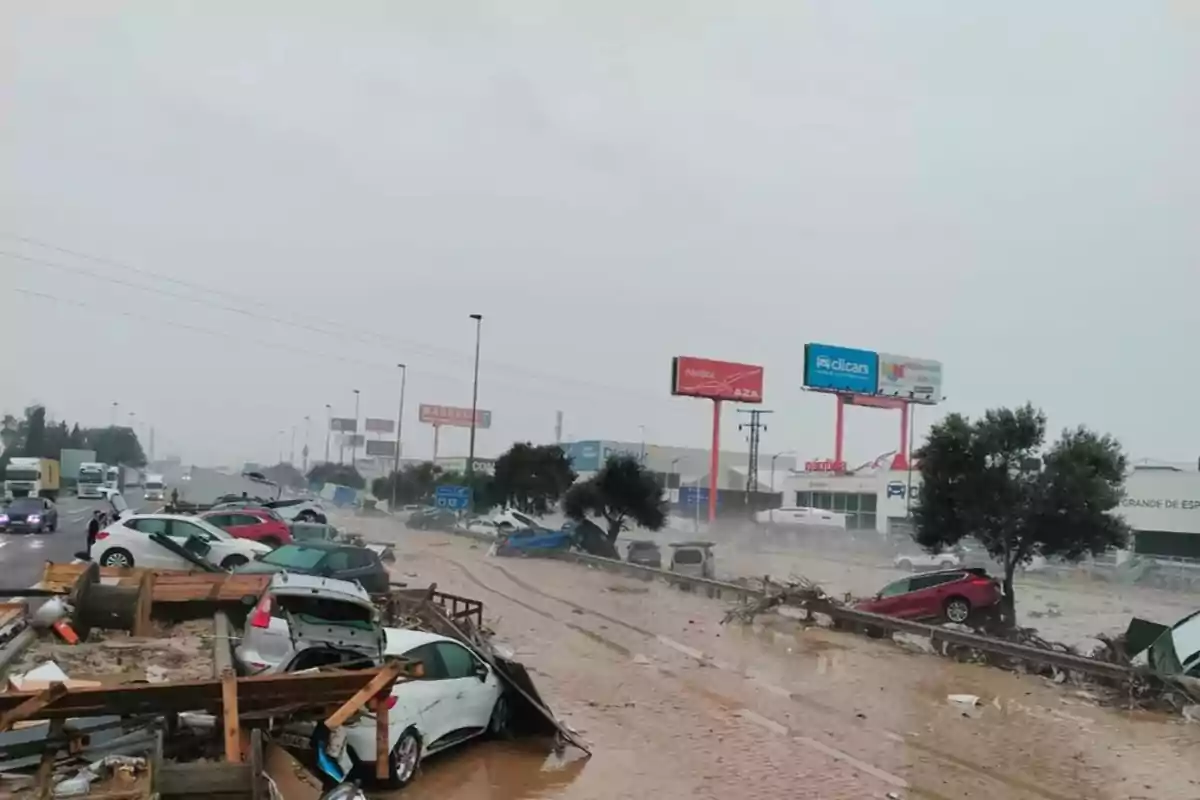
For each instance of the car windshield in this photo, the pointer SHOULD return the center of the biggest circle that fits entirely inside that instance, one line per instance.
(25, 505)
(153, 485)
(209, 528)
(294, 556)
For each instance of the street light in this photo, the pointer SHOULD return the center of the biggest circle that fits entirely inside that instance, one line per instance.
(292, 451)
(354, 435)
(642, 457)
(328, 428)
(115, 407)
(474, 397)
(674, 461)
(304, 452)
(399, 427)
(777, 455)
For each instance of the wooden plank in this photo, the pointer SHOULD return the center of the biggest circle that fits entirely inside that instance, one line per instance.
(382, 741)
(31, 705)
(256, 765)
(202, 779)
(229, 713)
(45, 771)
(141, 614)
(383, 679)
(317, 691)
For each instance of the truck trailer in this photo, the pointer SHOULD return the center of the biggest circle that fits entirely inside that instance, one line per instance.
(32, 477)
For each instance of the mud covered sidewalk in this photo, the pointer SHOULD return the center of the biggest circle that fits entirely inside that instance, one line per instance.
(678, 706)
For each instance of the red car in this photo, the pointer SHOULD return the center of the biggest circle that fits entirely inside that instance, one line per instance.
(259, 524)
(953, 595)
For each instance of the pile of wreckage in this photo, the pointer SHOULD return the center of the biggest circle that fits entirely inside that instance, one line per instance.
(135, 683)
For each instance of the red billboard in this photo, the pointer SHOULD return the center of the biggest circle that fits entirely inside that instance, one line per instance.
(457, 416)
(716, 380)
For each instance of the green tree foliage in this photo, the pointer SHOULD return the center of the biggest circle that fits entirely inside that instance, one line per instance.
(285, 474)
(992, 479)
(340, 474)
(623, 491)
(417, 484)
(114, 445)
(532, 478)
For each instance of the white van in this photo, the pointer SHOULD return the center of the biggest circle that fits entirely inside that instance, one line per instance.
(797, 516)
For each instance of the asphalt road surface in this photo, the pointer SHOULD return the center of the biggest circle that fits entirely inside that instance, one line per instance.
(23, 555)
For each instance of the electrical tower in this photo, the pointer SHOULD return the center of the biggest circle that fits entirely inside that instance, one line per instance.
(755, 426)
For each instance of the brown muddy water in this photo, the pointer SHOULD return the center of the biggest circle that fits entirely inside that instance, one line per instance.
(507, 771)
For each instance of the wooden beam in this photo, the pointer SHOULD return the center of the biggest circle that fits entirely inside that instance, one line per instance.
(256, 765)
(32, 705)
(386, 677)
(145, 601)
(383, 762)
(43, 782)
(229, 714)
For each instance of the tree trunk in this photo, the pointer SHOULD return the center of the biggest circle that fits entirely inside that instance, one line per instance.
(614, 529)
(1008, 605)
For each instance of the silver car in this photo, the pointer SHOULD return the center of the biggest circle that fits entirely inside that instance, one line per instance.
(303, 621)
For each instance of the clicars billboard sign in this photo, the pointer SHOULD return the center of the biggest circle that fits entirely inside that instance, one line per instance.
(917, 380)
(716, 380)
(840, 369)
(453, 415)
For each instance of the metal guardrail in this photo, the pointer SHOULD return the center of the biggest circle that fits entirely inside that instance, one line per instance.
(852, 616)
(843, 614)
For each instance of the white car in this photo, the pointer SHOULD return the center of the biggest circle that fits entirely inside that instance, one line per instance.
(800, 516)
(914, 561)
(514, 519)
(459, 698)
(299, 510)
(127, 543)
(484, 526)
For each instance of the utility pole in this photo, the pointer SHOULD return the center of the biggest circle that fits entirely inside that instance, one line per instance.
(558, 422)
(754, 426)
(152, 443)
(292, 452)
(399, 430)
(474, 400)
(354, 436)
(328, 428)
(304, 452)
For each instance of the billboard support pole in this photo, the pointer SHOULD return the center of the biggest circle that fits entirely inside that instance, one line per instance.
(905, 415)
(714, 462)
(839, 429)
(436, 430)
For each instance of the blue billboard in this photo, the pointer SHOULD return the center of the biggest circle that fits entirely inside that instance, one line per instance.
(841, 369)
(585, 456)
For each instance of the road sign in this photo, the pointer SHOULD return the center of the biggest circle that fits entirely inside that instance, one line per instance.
(693, 495)
(457, 498)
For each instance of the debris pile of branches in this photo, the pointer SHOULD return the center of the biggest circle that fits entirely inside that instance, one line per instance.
(798, 592)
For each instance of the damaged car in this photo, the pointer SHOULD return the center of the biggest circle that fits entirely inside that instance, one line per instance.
(304, 621)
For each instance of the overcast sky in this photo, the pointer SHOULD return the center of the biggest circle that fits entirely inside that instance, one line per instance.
(271, 204)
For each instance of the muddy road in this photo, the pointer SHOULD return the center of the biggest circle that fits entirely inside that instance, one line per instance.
(677, 706)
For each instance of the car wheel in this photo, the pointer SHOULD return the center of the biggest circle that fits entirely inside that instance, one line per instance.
(905, 564)
(306, 516)
(233, 562)
(946, 565)
(958, 609)
(117, 557)
(404, 759)
(498, 723)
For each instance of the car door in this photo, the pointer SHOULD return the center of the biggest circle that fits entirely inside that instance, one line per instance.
(471, 706)
(365, 567)
(182, 530)
(147, 553)
(224, 520)
(335, 564)
(243, 526)
(891, 598)
(426, 700)
(925, 598)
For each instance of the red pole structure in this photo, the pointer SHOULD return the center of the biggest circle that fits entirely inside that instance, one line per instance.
(901, 462)
(714, 462)
(839, 429)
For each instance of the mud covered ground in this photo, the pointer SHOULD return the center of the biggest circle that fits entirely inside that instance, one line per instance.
(677, 706)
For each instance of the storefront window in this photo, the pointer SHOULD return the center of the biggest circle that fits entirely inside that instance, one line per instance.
(823, 500)
(839, 502)
(804, 499)
(868, 503)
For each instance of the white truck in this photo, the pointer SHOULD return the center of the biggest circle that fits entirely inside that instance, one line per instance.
(153, 488)
(90, 483)
(113, 477)
(31, 477)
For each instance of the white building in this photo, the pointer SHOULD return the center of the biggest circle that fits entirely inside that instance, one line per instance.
(870, 498)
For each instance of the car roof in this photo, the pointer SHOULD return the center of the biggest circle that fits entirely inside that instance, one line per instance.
(323, 544)
(704, 545)
(401, 640)
(184, 517)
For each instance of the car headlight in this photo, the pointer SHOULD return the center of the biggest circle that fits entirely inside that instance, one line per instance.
(34, 518)
(3, 519)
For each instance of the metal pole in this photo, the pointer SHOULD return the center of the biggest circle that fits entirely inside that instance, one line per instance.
(304, 452)
(354, 435)
(328, 428)
(292, 451)
(714, 462)
(908, 457)
(774, 458)
(399, 429)
(474, 398)
(115, 407)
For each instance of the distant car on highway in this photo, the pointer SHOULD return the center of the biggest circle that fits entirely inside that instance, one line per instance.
(694, 559)
(258, 524)
(923, 561)
(127, 543)
(432, 519)
(644, 552)
(29, 515)
(344, 562)
(953, 595)
(799, 516)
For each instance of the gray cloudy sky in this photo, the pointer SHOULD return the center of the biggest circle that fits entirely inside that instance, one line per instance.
(1010, 188)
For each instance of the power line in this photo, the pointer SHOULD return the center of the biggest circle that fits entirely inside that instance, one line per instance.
(338, 330)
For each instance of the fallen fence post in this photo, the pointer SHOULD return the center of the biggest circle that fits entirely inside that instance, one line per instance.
(387, 676)
(222, 645)
(32, 705)
(229, 714)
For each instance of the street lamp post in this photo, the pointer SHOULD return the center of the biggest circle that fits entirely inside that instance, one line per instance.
(642, 457)
(292, 451)
(474, 398)
(354, 435)
(399, 430)
(328, 428)
(671, 474)
(304, 452)
(773, 459)
(115, 407)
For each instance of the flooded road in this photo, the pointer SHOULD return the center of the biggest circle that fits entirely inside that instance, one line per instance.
(675, 705)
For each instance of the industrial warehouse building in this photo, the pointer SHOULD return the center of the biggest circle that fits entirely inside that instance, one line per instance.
(678, 466)
(1161, 504)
